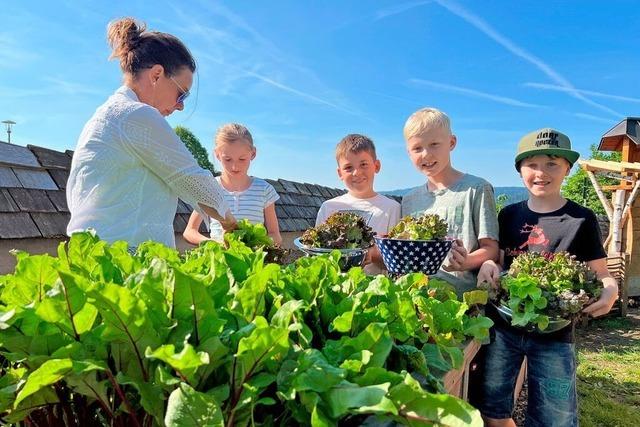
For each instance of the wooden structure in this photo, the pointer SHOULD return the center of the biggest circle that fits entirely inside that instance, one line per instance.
(456, 381)
(623, 211)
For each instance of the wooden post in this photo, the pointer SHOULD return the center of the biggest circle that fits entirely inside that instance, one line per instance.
(605, 202)
(627, 206)
(616, 224)
(624, 287)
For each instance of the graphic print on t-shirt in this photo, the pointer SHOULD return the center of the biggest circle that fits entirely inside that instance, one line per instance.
(536, 237)
(536, 241)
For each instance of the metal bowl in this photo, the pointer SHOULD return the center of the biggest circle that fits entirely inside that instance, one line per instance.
(411, 256)
(554, 324)
(348, 257)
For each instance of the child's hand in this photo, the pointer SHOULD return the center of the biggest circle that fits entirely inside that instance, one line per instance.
(457, 257)
(489, 273)
(605, 302)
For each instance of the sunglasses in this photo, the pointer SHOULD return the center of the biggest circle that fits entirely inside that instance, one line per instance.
(184, 94)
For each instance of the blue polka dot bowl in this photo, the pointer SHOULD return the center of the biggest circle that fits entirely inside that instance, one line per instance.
(348, 257)
(413, 256)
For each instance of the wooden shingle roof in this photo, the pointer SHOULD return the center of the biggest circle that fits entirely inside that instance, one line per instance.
(33, 200)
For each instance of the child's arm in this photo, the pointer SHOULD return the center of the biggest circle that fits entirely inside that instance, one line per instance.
(271, 223)
(461, 260)
(490, 271)
(191, 233)
(488, 251)
(609, 292)
(486, 220)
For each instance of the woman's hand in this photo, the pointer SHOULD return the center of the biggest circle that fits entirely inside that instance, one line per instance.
(229, 222)
(490, 273)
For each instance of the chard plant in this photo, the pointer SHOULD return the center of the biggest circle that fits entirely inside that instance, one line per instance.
(217, 337)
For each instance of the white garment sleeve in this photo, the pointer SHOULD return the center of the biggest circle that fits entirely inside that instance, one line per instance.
(322, 214)
(394, 215)
(147, 135)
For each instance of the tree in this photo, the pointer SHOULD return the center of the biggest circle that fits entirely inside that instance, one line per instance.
(501, 202)
(196, 148)
(578, 187)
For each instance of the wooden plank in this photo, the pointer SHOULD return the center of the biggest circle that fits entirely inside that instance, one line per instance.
(302, 189)
(30, 200)
(625, 186)
(17, 225)
(30, 178)
(627, 149)
(15, 155)
(616, 264)
(276, 185)
(51, 224)
(59, 200)
(60, 177)
(6, 202)
(610, 166)
(456, 381)
(51, 158)
(289, 186)
(291, 211)
(281, 213)
(8, 178)
(324, 191)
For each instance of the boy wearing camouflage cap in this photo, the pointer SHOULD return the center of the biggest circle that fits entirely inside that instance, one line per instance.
(545, 222)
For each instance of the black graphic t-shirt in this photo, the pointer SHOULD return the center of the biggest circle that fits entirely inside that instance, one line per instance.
(572, 228)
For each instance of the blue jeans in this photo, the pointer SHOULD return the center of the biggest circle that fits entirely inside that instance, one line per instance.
(551, 378)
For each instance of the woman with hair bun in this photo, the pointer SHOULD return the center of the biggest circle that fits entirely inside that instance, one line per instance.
(129, 166)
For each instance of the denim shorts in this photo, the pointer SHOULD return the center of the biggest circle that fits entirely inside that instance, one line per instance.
(551, 378)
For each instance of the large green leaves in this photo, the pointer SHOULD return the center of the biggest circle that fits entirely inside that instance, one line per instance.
(125, 322)
(185, 362)
(216, 337)
(51, 372)
(189, 408)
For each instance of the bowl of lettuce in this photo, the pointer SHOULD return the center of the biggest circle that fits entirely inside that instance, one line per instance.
(414, 245)
(346, 232)
(545, 292)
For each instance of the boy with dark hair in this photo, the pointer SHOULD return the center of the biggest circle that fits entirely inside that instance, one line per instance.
(357, 167)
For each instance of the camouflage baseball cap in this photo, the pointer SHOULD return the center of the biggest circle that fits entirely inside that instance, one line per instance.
(545, 141)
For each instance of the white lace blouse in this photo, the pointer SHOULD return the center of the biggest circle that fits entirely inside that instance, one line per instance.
(129, 169)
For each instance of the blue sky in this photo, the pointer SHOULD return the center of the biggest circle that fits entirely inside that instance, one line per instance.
(301, 75)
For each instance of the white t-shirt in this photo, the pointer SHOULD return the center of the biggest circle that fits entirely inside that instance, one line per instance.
(380, 212)
(127, 172)
(248, 204)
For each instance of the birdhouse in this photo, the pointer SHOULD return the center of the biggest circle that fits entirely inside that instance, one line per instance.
(623, 210)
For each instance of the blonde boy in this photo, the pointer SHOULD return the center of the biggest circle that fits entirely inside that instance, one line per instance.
(465, 201)
(357, 167)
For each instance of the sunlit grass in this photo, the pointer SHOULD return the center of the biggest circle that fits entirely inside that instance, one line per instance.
(609, 380)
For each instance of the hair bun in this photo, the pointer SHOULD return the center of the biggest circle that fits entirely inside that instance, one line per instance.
(124, 36)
